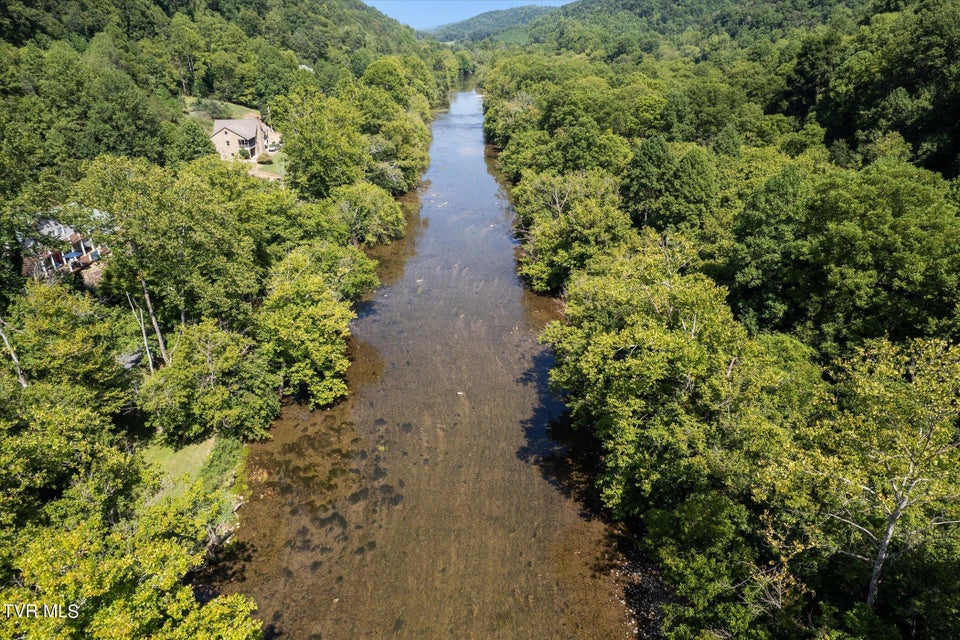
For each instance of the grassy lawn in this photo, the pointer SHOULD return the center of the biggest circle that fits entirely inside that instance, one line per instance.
(176, 463)
(279, 166)
(235, 111)
(216, 462)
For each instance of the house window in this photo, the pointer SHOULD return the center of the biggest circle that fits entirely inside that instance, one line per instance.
(228, 143)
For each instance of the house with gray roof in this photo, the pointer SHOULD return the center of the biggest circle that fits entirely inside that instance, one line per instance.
(249, 134)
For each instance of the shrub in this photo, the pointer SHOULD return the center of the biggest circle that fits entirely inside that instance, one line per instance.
(211, 108)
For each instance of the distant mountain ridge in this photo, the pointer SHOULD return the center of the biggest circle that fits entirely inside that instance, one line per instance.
(489, 24)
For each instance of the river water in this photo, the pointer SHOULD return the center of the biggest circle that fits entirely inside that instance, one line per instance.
(429, 504)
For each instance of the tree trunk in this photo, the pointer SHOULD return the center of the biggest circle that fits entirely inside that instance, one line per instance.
(143, 331)
(153, 320)
(882, 551)
(13, 356)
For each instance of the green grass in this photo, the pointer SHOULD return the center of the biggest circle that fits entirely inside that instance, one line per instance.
(224, 473)
(279, 166)
(176, 463)
(220, 467)
(235, 111)
(515, 35)
(219, 463)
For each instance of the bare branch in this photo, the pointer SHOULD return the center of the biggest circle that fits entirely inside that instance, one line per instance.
(21, 377)
(856, 526)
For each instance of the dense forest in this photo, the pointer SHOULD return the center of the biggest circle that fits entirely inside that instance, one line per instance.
(752, 215)
(215, 293)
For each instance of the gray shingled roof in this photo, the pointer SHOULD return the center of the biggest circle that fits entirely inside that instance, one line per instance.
(246, 128)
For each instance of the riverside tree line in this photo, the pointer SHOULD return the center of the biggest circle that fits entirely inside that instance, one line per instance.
(754, 228)
(220, 292)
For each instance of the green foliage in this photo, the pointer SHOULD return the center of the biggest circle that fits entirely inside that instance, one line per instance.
(584, 146)
(884, 467)
(11, 260)
(896, 75)
(543, 195)
(768, 187)
(346, 270)
(213, 109)
(766, 286)
(813, 71)
(691, 415)
(645, 180)
(392, 76)
(605, 26)
(404, 149)
(81, 81)
(322, 138)
(393, 112)
(691, 193)
(370, 214)
(216, 383)
(530, 149)
(490, 24)
(189, 142)
(50, 434)
(127, 576)
(66, 338)
(219, 468)
(561, 241)
(176, 233)
(854, 255)
(78, 526)
(302, 326)
(198, 258)
(658, 345)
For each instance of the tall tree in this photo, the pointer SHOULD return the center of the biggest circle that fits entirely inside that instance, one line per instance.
(886, 467)
(370, 213)
(188, 142)
(302, 325)
(64, 337)
(322, 137)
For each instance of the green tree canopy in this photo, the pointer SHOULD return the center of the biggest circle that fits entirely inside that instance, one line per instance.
(322, 138)
(302, 325)
(217, 382)
(370, 213)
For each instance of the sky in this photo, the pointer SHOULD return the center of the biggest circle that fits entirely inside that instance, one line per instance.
(423, 14)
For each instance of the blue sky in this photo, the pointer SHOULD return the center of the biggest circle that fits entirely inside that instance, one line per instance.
(423, 14)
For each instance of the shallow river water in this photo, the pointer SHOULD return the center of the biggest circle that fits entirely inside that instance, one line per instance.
(428, 504)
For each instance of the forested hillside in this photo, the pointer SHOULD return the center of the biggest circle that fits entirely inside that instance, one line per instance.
(211, 293)
(501, 25)
(602, 22)
(752, 214)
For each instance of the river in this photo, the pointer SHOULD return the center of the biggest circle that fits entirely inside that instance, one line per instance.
(432, 503)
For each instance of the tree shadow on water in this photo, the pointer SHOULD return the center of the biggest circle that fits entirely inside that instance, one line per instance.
(229, 566)
(569, 458)
(565, 456)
